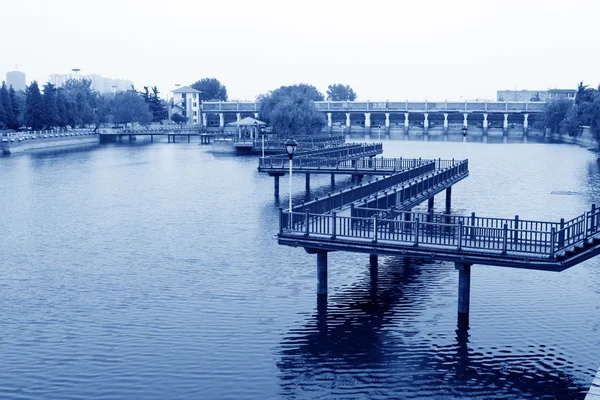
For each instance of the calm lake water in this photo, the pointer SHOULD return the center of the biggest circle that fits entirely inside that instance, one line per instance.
(152, 271)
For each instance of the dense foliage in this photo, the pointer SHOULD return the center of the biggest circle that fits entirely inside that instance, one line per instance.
(211, 88)
(569, 117)
(76, 104)
(290, 110)
(340, 92)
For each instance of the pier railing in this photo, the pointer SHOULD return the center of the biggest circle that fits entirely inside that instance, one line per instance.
(326, 156)
(493, 236)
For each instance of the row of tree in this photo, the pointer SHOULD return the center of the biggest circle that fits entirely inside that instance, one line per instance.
(76, 104)
(567, 116)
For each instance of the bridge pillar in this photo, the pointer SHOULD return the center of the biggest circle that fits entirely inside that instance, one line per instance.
(465, 122)
(505, 125)
(448, 199)
(308, 182)
(485, 123)
(405, 123)
(221, 121)
(426, 124)
(525, 124)
(445, 123)
(255, 115)
(464, 287)
(204, 120)
(367, 122)
(238, 116)
(329, 121)
(276, 185)
(387, 123)
(321, 272)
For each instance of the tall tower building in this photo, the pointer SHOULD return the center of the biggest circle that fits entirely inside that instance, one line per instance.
(16, 79)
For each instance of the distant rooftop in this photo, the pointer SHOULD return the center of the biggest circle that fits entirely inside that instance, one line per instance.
(185, 89)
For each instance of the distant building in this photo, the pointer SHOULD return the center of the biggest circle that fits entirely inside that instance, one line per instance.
(186, 102)
(99, 83)
(16, 79)
(534, 95)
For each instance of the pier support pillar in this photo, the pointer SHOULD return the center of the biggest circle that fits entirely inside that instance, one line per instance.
(168, 138)
(373, 260)
(464, 287)
(276, 185)
(405, 123)
(505, 125)
(332, 179)
(308, 182)
(430, 209)
(525, 124)
(151, 138)
(448, 199)
(188, 138)
(322, 273)
(426, 124)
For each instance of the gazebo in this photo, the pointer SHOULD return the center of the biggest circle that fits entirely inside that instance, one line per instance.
(246, 122)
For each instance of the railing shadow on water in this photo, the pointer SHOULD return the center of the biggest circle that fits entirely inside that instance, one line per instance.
(355, 336)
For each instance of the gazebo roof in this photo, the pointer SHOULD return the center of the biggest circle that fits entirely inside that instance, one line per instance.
(248, 121)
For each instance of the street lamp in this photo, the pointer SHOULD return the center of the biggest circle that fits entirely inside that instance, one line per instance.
(290, 147)
(262, 133)
(379, 128)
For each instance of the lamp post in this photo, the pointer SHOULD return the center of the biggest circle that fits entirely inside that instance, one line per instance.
(464, 132)
(290, 147)
(262, 133)
(379, 128)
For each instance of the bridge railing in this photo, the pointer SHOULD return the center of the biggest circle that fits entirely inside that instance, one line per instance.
(353, 194)
(453, 232)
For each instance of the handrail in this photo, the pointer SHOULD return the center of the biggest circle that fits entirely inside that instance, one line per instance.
(449, 231)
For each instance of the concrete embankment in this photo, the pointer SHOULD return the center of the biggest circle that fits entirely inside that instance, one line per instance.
(26, 142)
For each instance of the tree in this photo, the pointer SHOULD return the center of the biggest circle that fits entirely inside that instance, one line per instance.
(17, 106)
(50, 116)
(340, 92)
(290, 110)
(81, 101)
(3, 116)
(555, 112)
(157, 106)
(211, 89)
(34, 107)
(129, 107)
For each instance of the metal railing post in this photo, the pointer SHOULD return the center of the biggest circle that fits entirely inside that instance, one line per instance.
(416, 231)
(306, 221)
(334, 224)
(375, 228)
(460, 229)
(280, 220)
(593, 219)
(505, 240)
(561, 234)
(552, 240)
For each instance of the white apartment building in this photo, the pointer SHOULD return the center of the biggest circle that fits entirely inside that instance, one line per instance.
(186, 102)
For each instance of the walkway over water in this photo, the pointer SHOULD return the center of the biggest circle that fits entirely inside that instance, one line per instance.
(278, 165)
(380, 222)
(274, 144)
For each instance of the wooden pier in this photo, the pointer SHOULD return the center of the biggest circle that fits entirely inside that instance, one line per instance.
(277, 165)
(376, 218)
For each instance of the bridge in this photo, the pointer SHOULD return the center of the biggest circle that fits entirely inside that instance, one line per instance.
(377, 218)
(345, 116)
(170, 131)
(308, 162)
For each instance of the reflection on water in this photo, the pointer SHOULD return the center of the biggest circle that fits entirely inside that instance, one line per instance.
(152, 271)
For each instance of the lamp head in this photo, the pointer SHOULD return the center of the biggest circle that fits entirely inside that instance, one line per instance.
(290, 147)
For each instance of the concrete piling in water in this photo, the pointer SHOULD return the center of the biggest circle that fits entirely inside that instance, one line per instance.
(322, 273)
(308, 182)
(276, 185)
(464, 287)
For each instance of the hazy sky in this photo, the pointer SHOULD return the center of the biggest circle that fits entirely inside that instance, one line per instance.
(392, 50)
